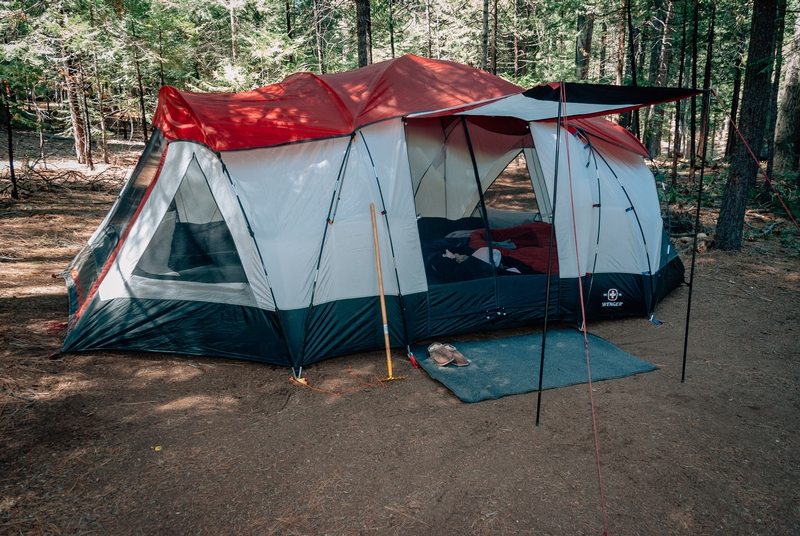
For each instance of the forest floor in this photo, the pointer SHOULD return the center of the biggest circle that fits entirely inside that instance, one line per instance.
(138, 443)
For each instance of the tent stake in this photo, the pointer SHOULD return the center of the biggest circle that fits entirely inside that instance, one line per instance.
(383, 300)
(703, 138)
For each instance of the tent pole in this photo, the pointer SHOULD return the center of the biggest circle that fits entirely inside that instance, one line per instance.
(484, 215)
(703, 139)
(549, 258)
(335, 196)
(390, 377)
(391, 248)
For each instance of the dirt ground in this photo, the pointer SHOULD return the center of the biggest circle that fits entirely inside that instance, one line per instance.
(137, 443)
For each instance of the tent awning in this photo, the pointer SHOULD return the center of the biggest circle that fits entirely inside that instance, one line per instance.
(580, 100)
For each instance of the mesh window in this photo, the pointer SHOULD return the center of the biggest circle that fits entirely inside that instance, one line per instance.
(512, 190)
(192, 242)
(130, 199)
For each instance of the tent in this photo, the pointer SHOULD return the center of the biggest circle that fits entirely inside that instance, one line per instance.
(244, 231)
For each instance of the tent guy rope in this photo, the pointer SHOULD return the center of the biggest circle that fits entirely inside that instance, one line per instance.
(583, 322)
(758, 162)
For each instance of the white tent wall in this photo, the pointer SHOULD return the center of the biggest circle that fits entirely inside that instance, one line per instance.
(120, 281)
(289, 192)
(383, 145)
(578, 196)
(624, 169)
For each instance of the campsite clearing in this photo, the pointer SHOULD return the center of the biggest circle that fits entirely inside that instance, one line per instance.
(129, 442)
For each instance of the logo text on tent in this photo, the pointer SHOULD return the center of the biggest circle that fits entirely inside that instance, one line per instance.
(612, 295)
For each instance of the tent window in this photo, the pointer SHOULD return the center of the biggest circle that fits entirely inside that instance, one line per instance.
(192, 242)
(129, 200)
(512, 193)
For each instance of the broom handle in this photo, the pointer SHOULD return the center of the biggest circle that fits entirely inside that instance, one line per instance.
(380, 287)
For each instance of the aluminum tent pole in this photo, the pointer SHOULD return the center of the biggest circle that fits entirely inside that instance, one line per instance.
(550, 255)
(704, 139)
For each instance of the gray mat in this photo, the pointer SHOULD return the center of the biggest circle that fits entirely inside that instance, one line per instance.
(510, 366)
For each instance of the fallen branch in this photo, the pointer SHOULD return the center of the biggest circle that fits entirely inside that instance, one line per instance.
(767, 230)
(25, 398)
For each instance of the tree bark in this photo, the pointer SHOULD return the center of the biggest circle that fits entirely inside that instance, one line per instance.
(634, 74)
(676, 147)
(485, 36)
(141, 91)
(601, 74)
(733, 137)
(693, 115)
(755, 101)
(88, 137)
(786, 131)
(233, 31)
(621, 44)
(9, 132)
(773, 99)
(364, 33)
(493, 69)
(391, 26)
(160, 60)
(428, 27)
(318, 37)
(583, 45)
(662, 70)
(289, 32)
(76, 116)
(102, 111)
(707, 72)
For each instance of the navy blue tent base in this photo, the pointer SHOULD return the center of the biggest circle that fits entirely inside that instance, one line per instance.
(510, 366)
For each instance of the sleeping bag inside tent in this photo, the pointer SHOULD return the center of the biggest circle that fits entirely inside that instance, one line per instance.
(244, 231)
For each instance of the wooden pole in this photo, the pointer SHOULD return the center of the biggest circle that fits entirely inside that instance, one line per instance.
(383, 300)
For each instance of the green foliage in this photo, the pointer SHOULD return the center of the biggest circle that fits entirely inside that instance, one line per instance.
(236, 45)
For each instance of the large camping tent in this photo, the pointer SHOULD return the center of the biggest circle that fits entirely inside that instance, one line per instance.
(245, 231)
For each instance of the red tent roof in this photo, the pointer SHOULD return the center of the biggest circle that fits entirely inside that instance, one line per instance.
(305, 106)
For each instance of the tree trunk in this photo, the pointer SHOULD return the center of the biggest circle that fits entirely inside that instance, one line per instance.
(634, 74)
(101, 110)
(485, 36)
(707, 73)
(233, 31)
(429, 29)
(737, 88)
(662, 70)
(76, 116)
(773, 99)
(693, 116)
(391, 26)
(88, 138)
(289, 33)
(755, 101)
(160, 61)
(318, 37)
(9, 132)
(786, 131)
(621, 45)
(141, 91)
(676, 147)
(601, 74)
(494, 40)
(517, 52)
(364, 33)
(583, 45)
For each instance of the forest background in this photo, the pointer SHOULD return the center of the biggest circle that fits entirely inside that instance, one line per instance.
(91, 69)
